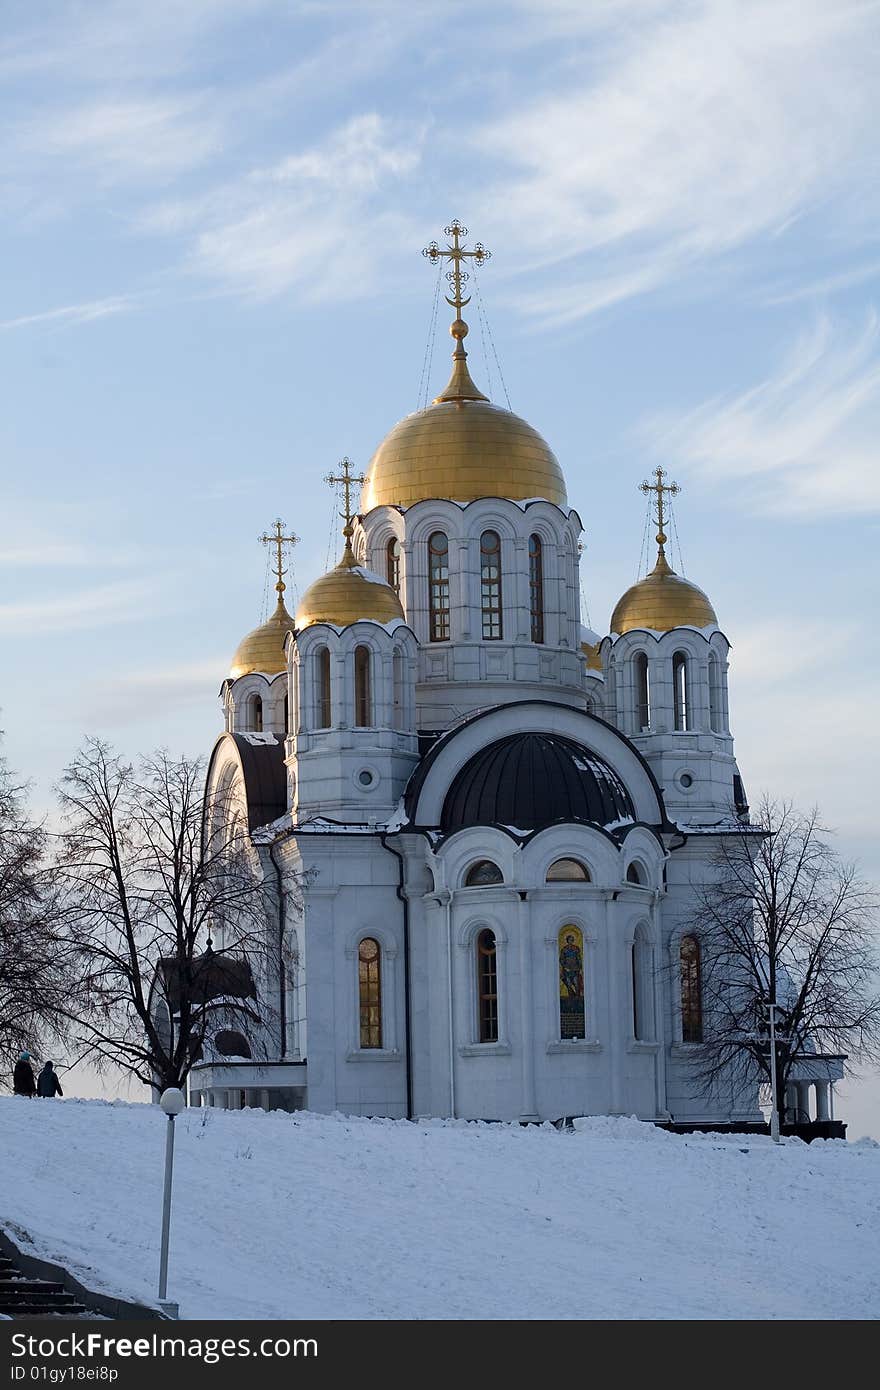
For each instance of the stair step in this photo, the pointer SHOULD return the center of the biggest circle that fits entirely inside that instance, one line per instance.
(19, 1284)
(43, 1310)
(55, 1299)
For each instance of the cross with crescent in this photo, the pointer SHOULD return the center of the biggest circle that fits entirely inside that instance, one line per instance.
(279, 540)
(660, 490)
(457, 255)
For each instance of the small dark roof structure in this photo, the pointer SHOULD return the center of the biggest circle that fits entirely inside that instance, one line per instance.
(214, 976)
(529, 780)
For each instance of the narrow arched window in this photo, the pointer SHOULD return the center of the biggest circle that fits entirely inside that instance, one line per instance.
(483, 874)
(362, 697)
(691, 991)
(370, 992)
(392, 563)
(642, 981)
(490, 585)
(322, 683)
(643, 693)
(438, 587)
(536, 587)
(680, 691)
(715, 722)
(286, 714)
(257, 715)
(487, 987)
(571, 983)
(634, 875)
(568, 871)
(398, 688)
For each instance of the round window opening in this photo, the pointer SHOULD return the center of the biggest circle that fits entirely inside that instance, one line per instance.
(366, 777)
(686, 779)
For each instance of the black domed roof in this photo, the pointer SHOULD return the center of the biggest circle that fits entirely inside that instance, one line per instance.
(530, 780)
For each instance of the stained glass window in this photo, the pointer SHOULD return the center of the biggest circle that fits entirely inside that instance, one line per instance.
(691, 991)
(370, 992)
(487, 985)
(490, 585)
(438, 586)
(536, 587)
(572, 1019)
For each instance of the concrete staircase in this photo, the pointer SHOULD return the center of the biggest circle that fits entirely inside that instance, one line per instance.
(22, 1297)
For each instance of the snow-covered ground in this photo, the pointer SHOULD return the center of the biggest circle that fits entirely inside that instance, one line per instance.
(281, 1216)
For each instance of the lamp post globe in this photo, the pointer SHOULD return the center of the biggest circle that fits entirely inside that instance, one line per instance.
(172, 1102)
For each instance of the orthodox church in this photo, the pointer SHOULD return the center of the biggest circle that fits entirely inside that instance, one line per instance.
(479, 825)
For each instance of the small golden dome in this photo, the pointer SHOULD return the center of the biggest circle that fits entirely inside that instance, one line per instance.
(462, 447)
(345, 595)
(662, 601)
(263, 649)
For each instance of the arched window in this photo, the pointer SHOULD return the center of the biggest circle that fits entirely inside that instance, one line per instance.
(680, 691)
(286, 715)
(398, 691)
(715, 720)
(438, 587)
(322, 683)
(571, 983)
(362, 697)
(536, 587)
(642, 982)
(691, 991)
(490, 585)
(392, 563)
(483, 874)
(634, 874)
(370, 992)
(487, 987)
(568, 871)
(257, 715)
(230, 1043)
(643, 693)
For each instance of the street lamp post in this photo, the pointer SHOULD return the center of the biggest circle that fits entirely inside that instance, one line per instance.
(172, 1102)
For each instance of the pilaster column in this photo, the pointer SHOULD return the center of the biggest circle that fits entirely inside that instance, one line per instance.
(527, 1007)
(823, 1109)
(803, 1101)
(617, 1030)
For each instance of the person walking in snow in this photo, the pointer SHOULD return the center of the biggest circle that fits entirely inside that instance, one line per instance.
(48, 1085)
(23, 1083)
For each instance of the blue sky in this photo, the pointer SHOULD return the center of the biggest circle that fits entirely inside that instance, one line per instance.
(213, 214)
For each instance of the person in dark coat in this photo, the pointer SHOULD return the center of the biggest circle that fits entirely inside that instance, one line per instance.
(48, 1084)
(23, 1083)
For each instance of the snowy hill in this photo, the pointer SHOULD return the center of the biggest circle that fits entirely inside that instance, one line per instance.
(320, 1216)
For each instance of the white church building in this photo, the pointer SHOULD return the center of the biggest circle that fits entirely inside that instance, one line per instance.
(479, 824)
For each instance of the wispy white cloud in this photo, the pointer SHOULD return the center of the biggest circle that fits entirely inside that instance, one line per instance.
(802, 441)
(73, 314)
(87, 608)
(295, 222)
(696, 129)
(135, 695)
(152, 137)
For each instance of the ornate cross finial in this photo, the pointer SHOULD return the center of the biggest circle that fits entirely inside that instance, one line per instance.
(279, 540)
(346, 479)
(457, 256)
(660, 489)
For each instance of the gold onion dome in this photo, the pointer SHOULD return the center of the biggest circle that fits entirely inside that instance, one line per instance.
(462, 447)
(662, 601)
(345, 595)
(263, 649)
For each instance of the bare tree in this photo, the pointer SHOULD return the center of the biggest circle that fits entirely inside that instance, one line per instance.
(151, 879)
(34, 979)
(787, 923)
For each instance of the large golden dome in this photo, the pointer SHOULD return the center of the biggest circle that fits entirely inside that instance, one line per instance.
(462, 447)
(263, 649)
(662, 601)
(345, 595)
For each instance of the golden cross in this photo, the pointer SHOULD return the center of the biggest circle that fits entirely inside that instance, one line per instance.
(660, 489)
(346, 479)
(456, 253)
(279, 540)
